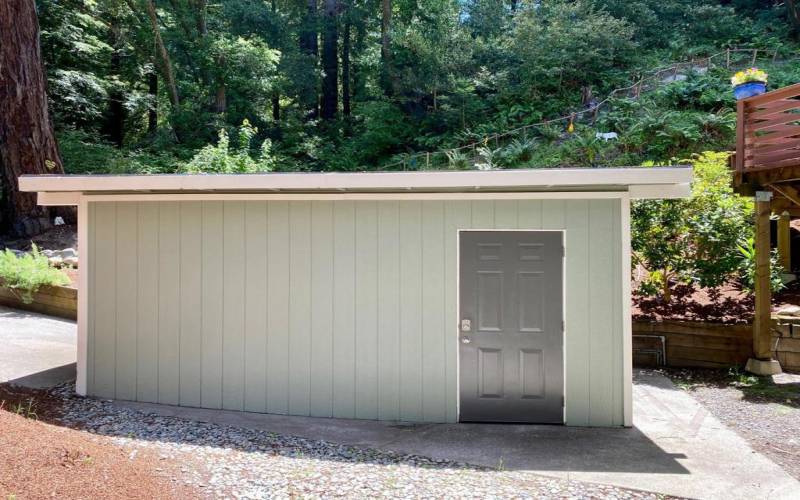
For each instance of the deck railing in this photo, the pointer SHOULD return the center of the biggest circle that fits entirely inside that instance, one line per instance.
(768, 131)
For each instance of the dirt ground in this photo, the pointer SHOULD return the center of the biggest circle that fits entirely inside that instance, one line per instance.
(766, 414)
(42, 460)
(727, 304)
(56, 238)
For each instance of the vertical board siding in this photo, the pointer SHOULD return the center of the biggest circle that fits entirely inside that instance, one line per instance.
(190, 295)
(321, 382)
(411, 285)
(255, 307)
(328, 308)
(366, 282)
(278, 308)
(388, 299)
(126, 270)
(344, 311)
(457, 215)
(147, 301)
(601, 312)
(433, 309)
(299, 307)
(578, 320)
(211, 308)
(233, 305)
(168, 300)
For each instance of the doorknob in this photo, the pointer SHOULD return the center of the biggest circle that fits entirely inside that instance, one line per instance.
(465, 340)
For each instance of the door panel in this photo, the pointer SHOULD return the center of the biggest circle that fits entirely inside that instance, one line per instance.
(511, 328)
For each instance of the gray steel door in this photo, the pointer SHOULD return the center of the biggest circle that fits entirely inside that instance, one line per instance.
(511, 326)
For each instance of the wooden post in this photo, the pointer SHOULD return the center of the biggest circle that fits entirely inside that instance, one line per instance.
(784, 242)
(755, 54)
(728, 59)
(761, 322)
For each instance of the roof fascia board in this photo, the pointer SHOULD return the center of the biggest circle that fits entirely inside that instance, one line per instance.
(464, 180)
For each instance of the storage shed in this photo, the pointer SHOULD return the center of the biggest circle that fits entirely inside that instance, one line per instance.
(499, 296)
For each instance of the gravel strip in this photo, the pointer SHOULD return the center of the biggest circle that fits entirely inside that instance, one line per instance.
(231, 462)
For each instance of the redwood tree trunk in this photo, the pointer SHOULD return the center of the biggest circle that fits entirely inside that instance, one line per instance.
(27, 142)
(330, 62)
(387, 73)
(346, 92)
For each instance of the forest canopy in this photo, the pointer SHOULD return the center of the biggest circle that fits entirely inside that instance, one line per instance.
(166, 85)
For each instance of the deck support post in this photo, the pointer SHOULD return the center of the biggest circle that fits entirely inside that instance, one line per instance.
(784, 242)
(762, 362)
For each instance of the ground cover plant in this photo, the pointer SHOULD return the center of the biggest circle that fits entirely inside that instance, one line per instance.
(25, 273)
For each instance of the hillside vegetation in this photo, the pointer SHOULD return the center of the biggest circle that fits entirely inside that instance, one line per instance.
(243, 85)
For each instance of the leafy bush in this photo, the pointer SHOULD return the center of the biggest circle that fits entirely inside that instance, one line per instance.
(25, 274)
(695, 240)
(747, 267)
(221, 158)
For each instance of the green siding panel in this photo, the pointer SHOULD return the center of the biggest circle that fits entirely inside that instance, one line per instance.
(328, 308)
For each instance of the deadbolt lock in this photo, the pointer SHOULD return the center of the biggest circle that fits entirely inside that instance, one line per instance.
(466, 325)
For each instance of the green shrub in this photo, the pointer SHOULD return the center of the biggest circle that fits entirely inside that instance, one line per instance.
(221, 158)
(747, 267)
(695, 240)
(24, 275)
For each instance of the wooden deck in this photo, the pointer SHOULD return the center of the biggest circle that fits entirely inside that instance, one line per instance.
(767, 165)
(768, 147)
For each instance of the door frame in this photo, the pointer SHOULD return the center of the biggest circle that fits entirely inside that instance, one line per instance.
(457, 319)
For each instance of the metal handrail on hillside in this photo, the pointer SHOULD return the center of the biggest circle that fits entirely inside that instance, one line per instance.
(728, 58)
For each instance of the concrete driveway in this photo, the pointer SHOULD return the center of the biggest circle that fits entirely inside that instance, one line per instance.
(36, 350)
(675, 447)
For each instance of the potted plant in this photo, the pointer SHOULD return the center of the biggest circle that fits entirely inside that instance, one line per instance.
(749, 82)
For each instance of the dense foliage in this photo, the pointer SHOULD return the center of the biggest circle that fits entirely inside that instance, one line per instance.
(706, 240)
(156, 86)
(145, 85)
(25, 274)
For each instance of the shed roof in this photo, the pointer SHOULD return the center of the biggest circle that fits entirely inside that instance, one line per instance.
(559, 179)
(640, 182)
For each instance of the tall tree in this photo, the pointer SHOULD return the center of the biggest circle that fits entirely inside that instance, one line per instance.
(346, 92)
(387, 74)
(309, 45)
(330, 61)
(27, 142)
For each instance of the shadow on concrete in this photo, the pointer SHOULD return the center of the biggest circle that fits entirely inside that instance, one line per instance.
(501, 446)
(47, 378)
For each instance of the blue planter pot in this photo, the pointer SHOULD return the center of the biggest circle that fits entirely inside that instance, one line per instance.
(749, 89)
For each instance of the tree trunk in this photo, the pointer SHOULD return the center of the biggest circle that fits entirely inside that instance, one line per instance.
(330, 62)
(166, 62)
(115, 123)
(387, 72)
(309, 46)
(276, 107)
(346, 92)
(27, 142)
(152, 110)
(793, 10)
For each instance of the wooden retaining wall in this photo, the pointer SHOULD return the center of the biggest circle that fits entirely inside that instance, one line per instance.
(53, 300)
(691, 344)
(786, 344)
(711, 345)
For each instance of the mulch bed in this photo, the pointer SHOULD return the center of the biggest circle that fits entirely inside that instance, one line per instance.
(42, 460)
(766, 414)
(726, 304)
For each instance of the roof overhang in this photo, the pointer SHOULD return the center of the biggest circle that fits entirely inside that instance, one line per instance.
(638, 182)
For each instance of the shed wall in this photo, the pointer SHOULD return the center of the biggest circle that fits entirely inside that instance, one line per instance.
(327, 308)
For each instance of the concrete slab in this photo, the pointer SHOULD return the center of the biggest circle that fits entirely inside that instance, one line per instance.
(675, 447)
(37, 350)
